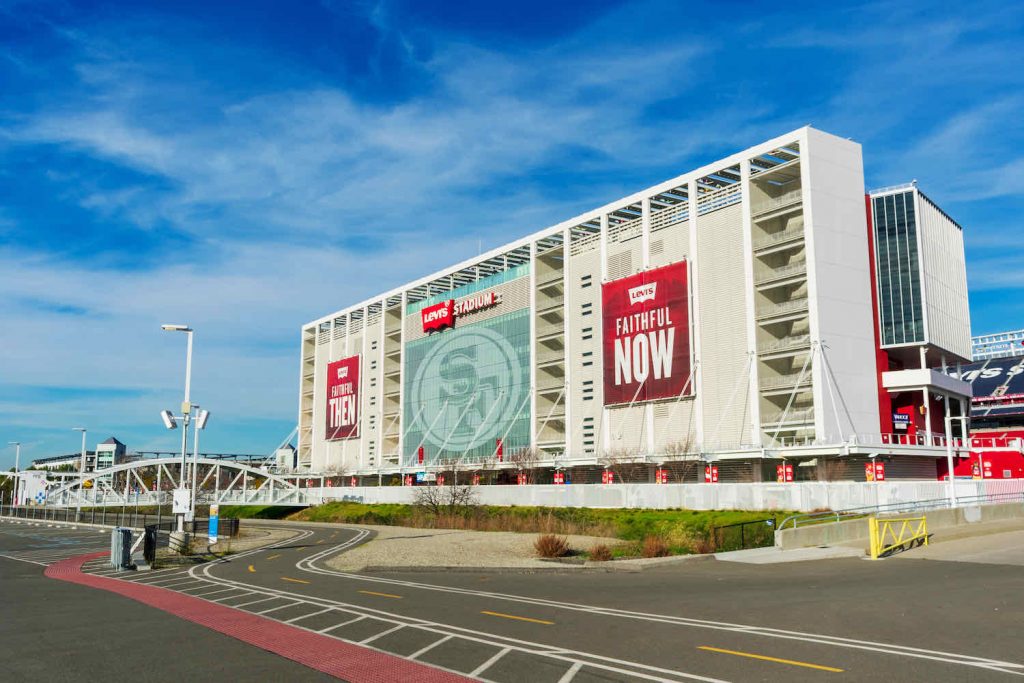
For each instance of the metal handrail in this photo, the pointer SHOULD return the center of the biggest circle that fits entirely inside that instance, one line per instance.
(905, 506)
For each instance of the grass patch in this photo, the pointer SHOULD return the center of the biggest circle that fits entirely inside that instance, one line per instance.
(257, 511)
(681, 531)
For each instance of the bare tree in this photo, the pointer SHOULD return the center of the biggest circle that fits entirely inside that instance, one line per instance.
(681, 460)
(525, 460)
(445, 499)
(624, 463)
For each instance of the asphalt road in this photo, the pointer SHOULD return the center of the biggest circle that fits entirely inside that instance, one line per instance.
(907, 620)
(56, 631)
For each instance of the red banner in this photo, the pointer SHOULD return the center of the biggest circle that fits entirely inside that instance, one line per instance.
(343, 399)
(874, 471)
(438, 316)
(711, 474)
(646, 324)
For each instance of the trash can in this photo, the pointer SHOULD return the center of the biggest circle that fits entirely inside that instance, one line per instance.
(121, 548)
(149, 544)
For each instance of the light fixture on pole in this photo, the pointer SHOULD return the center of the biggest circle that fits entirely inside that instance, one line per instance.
(17, 467)
(186, 410)
(81, 475)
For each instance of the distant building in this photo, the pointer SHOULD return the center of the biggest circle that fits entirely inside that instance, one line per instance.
(285, 458)
(109, 453)
(999, 345)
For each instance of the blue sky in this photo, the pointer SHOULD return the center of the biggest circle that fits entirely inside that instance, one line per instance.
(247, 167)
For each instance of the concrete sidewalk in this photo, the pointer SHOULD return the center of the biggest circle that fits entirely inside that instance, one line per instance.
(773, 555)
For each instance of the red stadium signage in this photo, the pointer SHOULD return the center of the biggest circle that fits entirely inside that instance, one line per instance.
(438, 316)
(646, 324)
(784, 473)
(343, 399)
(442, 315)
(711, 474)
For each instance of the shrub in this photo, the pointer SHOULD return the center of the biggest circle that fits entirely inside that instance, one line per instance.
(550, 545)
(703, 546)
(600, 553)
(655, 546)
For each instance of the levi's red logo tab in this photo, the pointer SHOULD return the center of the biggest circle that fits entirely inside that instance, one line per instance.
(638, 295)
(438, 316)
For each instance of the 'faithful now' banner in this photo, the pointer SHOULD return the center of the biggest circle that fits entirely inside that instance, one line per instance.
(646, 324)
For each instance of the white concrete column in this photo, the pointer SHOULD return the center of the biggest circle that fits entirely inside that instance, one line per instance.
(533, 345)
(753, 393)
(401, 378)
(567, 287)
(693, 268)
(927, 415)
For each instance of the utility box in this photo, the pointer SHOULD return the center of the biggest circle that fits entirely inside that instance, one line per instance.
(121, 548)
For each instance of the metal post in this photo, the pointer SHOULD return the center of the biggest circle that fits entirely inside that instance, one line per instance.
(195, 463)
(159, 494)
(81, 475)
(951, 487)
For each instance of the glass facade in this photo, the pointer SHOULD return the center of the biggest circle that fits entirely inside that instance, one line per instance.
(467, 387)
(898, 270)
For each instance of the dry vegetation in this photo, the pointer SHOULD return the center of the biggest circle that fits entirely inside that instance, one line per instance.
(550, 545)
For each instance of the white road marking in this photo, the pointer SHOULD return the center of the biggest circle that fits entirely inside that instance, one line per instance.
(364, 641)
(344, 623)
(490, 662)
(571, 673)
(307, 616)
(430, 647)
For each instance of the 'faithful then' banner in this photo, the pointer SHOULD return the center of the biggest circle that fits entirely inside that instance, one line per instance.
(646, 322)
(343, 399)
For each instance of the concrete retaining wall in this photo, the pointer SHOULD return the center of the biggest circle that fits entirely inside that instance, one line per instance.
(802, 496)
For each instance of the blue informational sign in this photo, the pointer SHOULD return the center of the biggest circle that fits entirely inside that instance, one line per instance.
(900, 420)
(214, 522)
(420, 476)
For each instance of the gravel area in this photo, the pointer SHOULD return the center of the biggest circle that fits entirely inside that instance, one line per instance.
(441, 548)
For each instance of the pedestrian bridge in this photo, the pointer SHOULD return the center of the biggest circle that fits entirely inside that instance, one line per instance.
(152, 482)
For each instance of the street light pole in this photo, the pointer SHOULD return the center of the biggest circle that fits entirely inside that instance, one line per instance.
(17, 465)
(186, 409)
(81, 475)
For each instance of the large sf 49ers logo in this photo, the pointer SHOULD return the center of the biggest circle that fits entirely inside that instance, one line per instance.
(467, 390)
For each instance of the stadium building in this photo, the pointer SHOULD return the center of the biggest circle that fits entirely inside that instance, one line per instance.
(761, 317)
(997, 416)
(999, 345)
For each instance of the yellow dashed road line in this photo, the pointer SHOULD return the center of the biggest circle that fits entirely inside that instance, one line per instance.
(765, 658)
(512, 616)
(383, 595)
(288, 578)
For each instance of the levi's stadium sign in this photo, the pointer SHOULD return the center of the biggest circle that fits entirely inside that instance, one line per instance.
(343, 399)
(443, 314)
(646, 325)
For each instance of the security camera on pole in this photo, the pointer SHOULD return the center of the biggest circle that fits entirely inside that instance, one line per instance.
(182, 497)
